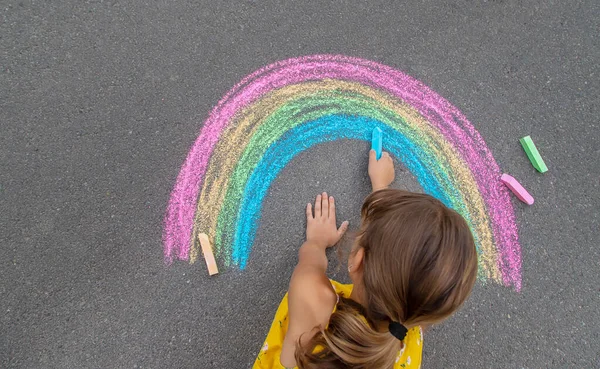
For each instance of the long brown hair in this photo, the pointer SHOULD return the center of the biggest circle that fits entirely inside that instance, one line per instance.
(419, 266)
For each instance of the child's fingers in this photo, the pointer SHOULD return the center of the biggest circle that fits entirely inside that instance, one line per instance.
(372, 156)
(332, 209)
(325, 204)
(386, 155)
(343, 228)
(309, 214)
(318, 206)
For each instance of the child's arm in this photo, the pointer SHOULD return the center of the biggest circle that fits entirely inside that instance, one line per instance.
(381, 171)
(311, 298)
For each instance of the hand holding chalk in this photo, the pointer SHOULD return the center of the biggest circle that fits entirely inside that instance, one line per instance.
(381, 171)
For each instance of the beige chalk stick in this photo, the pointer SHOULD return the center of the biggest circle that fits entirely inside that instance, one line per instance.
(208, 254)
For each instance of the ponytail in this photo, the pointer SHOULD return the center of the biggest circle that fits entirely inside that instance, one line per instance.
(350, 341)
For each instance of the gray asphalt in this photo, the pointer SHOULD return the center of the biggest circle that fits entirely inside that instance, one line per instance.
(101, 100)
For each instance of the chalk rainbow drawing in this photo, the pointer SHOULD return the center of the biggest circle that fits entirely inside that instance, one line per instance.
(289, 106)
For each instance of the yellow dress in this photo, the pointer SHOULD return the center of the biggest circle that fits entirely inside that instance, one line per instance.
(269, 357)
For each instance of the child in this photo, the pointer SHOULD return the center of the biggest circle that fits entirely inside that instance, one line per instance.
(413, 264)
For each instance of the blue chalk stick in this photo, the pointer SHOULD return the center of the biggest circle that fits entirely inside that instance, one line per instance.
(377, 142)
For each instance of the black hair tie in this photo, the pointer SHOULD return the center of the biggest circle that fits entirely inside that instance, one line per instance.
(398, 330)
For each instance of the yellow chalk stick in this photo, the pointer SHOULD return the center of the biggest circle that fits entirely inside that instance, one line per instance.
(208, 254)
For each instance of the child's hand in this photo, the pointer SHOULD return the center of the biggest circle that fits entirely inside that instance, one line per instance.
(381, 171)
(321, 228)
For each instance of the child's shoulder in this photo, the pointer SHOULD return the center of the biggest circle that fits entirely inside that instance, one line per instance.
(342, 289)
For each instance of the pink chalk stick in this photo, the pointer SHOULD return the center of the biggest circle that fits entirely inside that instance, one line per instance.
(517, 189)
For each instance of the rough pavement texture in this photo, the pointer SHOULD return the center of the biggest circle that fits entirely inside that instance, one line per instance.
(101, 100)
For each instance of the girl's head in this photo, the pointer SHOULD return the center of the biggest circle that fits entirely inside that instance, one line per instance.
(414, 262)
